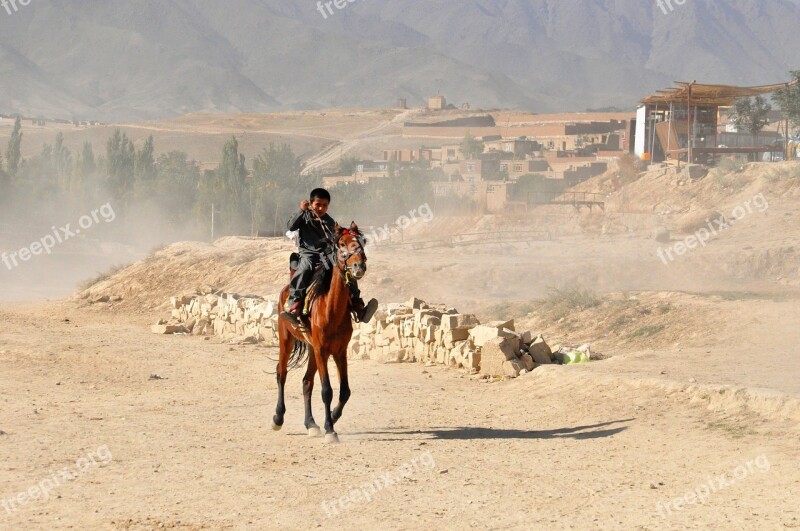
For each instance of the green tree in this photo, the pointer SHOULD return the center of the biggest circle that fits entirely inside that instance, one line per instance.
(471, 147)
(276, 186)
(85, 174)
(5, 183)
(751, 114)
(61, 162)
(14, 153)
(788, 99)
(178, 184)
(86, 166)
(145, 165)
(347, 166)
(120, 166)
(232, 187)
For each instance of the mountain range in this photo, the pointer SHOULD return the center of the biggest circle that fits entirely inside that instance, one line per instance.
(119, 60)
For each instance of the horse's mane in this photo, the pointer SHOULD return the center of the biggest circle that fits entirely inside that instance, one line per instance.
(323, 276)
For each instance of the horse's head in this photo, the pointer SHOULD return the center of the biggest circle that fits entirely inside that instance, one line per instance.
(350, 255)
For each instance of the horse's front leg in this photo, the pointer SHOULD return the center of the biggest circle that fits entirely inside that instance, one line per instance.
(327, 398)
(308, 388)
(344, 386)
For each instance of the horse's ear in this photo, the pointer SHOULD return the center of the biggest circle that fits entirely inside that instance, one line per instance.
(336, 228)
(353, 226)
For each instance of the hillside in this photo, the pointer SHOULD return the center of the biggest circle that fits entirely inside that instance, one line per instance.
(144, 59)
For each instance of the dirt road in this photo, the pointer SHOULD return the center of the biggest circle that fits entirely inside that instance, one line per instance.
(177, 434)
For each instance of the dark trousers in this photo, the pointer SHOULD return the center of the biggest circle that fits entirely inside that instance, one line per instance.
(304, 274)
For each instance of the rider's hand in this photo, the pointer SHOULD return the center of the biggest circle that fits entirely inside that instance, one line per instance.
(304, 205)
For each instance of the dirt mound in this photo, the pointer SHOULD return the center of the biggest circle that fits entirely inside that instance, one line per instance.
(625, 322)
(238, 265)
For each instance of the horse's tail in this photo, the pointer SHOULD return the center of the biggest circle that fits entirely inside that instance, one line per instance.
(299, 354)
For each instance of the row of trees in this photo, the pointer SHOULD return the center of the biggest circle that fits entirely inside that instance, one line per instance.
(247, 197)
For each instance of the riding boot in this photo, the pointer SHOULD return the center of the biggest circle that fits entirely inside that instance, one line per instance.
(363, 313)
(292, 313)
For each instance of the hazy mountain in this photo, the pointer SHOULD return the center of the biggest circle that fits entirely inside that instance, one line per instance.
(128, 59)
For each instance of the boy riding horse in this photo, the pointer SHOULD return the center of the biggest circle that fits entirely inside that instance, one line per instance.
(315, 228)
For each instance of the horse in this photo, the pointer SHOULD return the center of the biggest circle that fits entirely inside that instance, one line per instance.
(329, 332)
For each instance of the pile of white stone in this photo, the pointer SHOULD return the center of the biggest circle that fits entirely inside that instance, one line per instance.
(245, 319)
(410, 332)
(431, 334)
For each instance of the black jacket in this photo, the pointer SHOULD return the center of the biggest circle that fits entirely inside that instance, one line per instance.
(313, 239)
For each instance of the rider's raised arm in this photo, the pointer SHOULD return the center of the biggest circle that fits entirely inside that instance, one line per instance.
(297, 220)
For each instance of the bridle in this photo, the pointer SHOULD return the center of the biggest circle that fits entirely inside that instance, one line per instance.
(343, 256)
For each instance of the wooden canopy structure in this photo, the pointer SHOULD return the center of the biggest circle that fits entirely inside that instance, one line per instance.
(694, 96)
(710, 95)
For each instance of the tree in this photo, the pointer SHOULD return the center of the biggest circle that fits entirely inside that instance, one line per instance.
(347, 166)
(277, 185)
(751, 114)
(61, 162)
(120, 166)
(471, 147)
(85, 174)
(13, 155)
(232, 187)
(145, 165)
(5, 182)
(178, 183)
(788, 99)
(85, 165)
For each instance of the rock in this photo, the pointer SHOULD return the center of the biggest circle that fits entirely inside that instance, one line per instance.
(482, 333)
(508, 325)
(540, 351)
(163, 329)
(494, 353)
(450, 337)
(512, 368)
(695, 171)
(415, 303)
(526, 337)
(662, 235)
(459, 321)
(527, 362)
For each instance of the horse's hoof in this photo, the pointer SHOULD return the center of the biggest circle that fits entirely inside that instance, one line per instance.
(331, 438)
(275, 427)
(314, 431)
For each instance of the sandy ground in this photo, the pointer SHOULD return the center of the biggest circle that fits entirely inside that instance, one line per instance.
(699, 398)
(563, 447)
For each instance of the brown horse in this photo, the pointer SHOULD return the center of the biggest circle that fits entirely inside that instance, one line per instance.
(329, 332)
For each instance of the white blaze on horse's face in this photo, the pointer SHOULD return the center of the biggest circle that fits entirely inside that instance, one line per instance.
(355, 261)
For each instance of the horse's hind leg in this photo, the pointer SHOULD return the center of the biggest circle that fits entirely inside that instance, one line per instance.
(282, 370)
(344, 386)
(308, 388)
